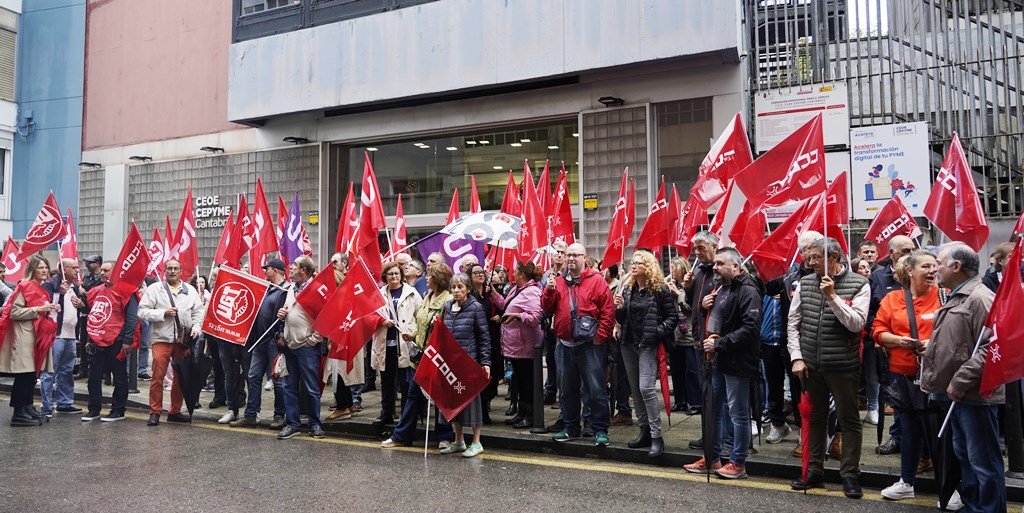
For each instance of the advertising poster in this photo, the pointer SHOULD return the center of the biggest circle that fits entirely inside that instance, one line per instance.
(886, 161)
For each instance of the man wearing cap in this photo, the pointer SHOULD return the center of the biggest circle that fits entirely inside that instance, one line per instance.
(265, 331)
(92, 279)
(234, 360)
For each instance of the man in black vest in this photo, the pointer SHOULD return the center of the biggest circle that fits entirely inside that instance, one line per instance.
(828, 312)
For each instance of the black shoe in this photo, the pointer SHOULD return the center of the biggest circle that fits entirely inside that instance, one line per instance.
(277, 423)
(287, 432)
(68, 409)
(558, 426)
(487, 418)
(549, 399)
(587, 432)
(643, 439)
(678, 407)
(112, 417)
(154, 419)
(693, 410)
(179, 418)
(145, 377)
(317, 432)
(513, 420)
(22, 418)
(697, 445)
(217, 403)
(384, 420)
(851, 488)
(108, 382)
(657, 447)
(92, 415)
(889, 447)
(813, 481)
(369, 387)
(512, 410)
(525, 422)
(34, 413)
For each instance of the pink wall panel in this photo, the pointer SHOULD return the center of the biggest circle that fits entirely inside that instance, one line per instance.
(155, 70)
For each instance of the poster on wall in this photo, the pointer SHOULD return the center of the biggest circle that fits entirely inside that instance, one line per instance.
(779, 112)
(886, 161)
(835, 163)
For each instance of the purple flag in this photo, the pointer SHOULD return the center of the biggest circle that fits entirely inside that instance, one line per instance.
(291, 240)
(454, 248)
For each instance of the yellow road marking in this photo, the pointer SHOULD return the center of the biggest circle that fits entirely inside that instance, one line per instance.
(546, 461)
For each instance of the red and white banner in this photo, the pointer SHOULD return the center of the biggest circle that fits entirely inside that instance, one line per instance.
(47, 228)
(264, 234)
(1004, 361)
(891, 221)
(369, 196)
(474, 196)
(313, 297)
(350, 316)
(729, 155)
(655, 234)
(447, 374)
(69, 247)
(185, 239)
(131, 264)
(954, 206)
(793, 170)
(533, 230)
(617, 229)
(12, 258)
(561, 212)
(234, 302)
(400, 242)
(156, 256)
(453, 209)
(106, 316)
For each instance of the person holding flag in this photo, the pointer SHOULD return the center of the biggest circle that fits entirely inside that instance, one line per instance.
(302, 356)
(698, 283)
(391, 343)
(69, 294)
(111, 325)
(951, 370)
(28, 329)
(465, 317)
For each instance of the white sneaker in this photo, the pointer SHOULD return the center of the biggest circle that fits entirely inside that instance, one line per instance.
(443, 444)
(754, 428)
(899, 491)
(954, 502)
(227, 418)
(778, 434)
(871, 417)
(269, 385)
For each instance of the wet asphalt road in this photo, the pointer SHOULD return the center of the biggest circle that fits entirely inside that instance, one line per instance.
(68, 465)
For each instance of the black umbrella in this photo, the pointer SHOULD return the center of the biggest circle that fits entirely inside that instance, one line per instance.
(757, 406)
(883, 380)
(191, 371)
(707, 416)
(944, 461)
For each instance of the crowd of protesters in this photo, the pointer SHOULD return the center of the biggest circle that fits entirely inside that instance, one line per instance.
(843, 330)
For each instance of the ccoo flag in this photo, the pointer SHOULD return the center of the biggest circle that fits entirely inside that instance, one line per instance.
(447, 374)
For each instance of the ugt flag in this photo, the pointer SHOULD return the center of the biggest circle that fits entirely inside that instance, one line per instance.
(447, 374)
(233, 305)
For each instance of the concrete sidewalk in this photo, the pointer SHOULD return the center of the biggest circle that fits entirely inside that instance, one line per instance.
(771, 460)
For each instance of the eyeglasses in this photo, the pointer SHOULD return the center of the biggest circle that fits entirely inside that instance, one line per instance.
(478, 272)
(575, 255)
(638, 264)
(393, 273)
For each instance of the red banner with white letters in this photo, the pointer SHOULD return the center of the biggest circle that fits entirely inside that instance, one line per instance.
(447, 374)
(233, 305)
(131, 264)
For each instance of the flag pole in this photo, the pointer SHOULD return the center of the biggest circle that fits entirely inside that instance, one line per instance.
(949, 413)
(254, 344)
(426, 438)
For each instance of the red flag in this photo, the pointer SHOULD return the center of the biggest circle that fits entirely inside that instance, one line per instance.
(401, 241)
(654, 234)
(561, 217)
(47, 228)
(750, 233)
(282, 222)
(773, 256)
(617, 238)
(12, 258)
(1004, 361)
(954, 206)
(370, 195)
(350, 311)
(1018, 229)
(156, 256)
(544, 190)
(185, 239)
(630, 211)
(366, 245)
(264, 236)
(453, 209)
(533, 229)
(732, 211)
(69, 248)
(693, 215)
(131, 265)
(348, 224)
(170, 248)
(314, 295)
(220, 256)
(447, 374)
(241, 237)
(510, 203)
(234, 302)
(672, 215)
(474, 196)
(791, 171)
(889, 222)
(727, 157)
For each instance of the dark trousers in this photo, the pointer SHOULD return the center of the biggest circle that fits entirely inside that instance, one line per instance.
(415, 403)
(522, 381)
(343, 396)
(582, 381)
(843, 387)
(389, 382)
(213, 346)
(551, 383)
(498, 371)
(776, 363)
(692, 363)
(234, 361)
(370, 374)
(23, 389)
(677, 371)
(912, 445)
(976, 445)
(105, 360)
(621, 391)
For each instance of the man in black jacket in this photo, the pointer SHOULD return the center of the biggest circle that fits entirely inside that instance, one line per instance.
(733, 335)
(112, 319)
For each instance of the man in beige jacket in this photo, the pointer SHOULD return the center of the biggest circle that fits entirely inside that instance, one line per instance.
(301, 349)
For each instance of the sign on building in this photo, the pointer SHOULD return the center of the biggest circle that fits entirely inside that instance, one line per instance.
(886, 161)
(779, 112)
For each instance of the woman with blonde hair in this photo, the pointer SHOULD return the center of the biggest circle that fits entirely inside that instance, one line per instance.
(646, 309)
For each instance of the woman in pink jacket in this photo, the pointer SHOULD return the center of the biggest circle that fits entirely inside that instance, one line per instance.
(520, 334)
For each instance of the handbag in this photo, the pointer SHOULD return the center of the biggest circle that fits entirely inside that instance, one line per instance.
(584, 327)
(905, 392)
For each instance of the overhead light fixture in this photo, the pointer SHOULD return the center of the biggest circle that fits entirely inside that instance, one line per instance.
(516, 145)
(525, 140)
(140, 158)
(371, 148)
(484, 141)
(89, 164)
(424, 147)
(552, 147)
(575, 134)
(470, 141)
(496, 167)
(611, 101)
(451, 148)
(295, 140)
(212, 149)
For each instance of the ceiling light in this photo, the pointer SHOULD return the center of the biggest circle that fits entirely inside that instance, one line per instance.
(470, 142)
(552, 147)
(212, 149)
(524, 140)
(295, 140)
(140, 158)
(611, 101)
(371, 148)
(451, 148)
(575, 134)
(484, 141)
(496, 167)
(516, 145)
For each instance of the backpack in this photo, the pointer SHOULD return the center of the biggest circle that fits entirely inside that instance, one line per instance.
(771, 319)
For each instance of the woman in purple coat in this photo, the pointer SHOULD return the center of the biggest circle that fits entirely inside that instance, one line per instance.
(520, 334)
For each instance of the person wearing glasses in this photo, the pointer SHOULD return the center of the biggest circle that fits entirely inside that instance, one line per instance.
(494, 305)
(389, 353)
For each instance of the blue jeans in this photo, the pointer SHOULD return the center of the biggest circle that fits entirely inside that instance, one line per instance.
(261, 361)
(733, 391)
(976, 445)
(414, 402)
(303, 371)
(62, 379)
(583, 365)
(145, 334)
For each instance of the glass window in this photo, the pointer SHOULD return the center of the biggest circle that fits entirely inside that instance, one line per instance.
(684, 138)
(255, 6)
(3, 170)
(426, 170)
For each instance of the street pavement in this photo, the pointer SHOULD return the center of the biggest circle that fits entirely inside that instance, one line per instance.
(69, 465)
